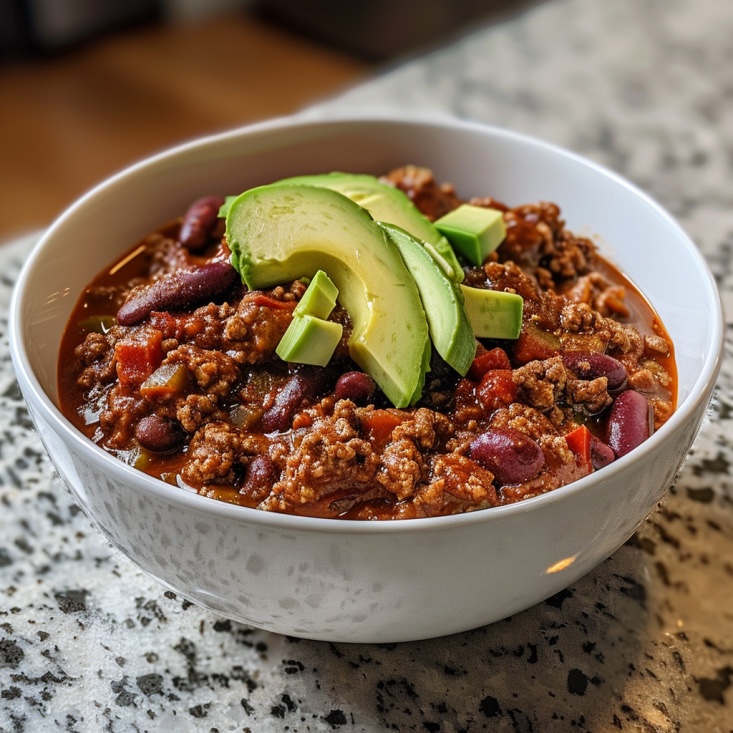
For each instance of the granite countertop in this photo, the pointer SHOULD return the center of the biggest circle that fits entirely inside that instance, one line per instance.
(642, 643)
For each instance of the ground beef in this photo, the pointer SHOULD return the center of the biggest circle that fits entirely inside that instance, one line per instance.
(195, 410)
(402, 468)
(248, 332)
(329, 462)
(203, 327)
(589, 394)
(547, 384)
(217, 451)
(456, 479)
(604, 297)
(123, 412)
(508, 276)
(403, 464)
(584, 329)
(657, 344)
(662, 410)
(96, 353)
(537, 239)
(540, 306)
(255, 330)
(542, 383)
(525, 419)
(94, 347)
(212, 371)
(213, 454)
(434, 200)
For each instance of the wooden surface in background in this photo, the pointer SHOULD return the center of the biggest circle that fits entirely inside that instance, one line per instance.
(68, 122)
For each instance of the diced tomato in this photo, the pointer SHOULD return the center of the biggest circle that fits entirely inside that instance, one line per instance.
(167, 324)
(465, 392)
(265, 301)
(497, 389)
(579, 442)
(534, 343)
(377, 425)
(138, 356)
(487, 359)
(590, 452)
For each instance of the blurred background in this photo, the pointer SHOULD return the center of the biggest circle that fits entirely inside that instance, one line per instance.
(88, 86)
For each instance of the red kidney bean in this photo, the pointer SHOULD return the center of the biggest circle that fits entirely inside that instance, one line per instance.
(279, 416)
(158, 434)
(510, 455)
(306, 384)
(592, 364)
(355, 386)
(178, 290)
(600, 454)
(199, 222)
(261, 474)
(629, 423)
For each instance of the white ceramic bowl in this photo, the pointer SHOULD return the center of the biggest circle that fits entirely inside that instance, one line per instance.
(377, 581)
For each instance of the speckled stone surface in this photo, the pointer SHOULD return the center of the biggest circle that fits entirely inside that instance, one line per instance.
(643, 643)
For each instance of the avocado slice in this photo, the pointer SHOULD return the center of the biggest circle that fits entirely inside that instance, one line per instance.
(279, 233)
(475, 231)
(390, 205)
(494, 314)
(224, 208)
(442, 300)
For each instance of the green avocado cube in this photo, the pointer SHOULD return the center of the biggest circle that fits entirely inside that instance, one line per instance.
(319, 298)
(309, 340)
(474, 231)
(493, 314)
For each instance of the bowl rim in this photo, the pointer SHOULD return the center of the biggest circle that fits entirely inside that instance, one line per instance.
(700, 390)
